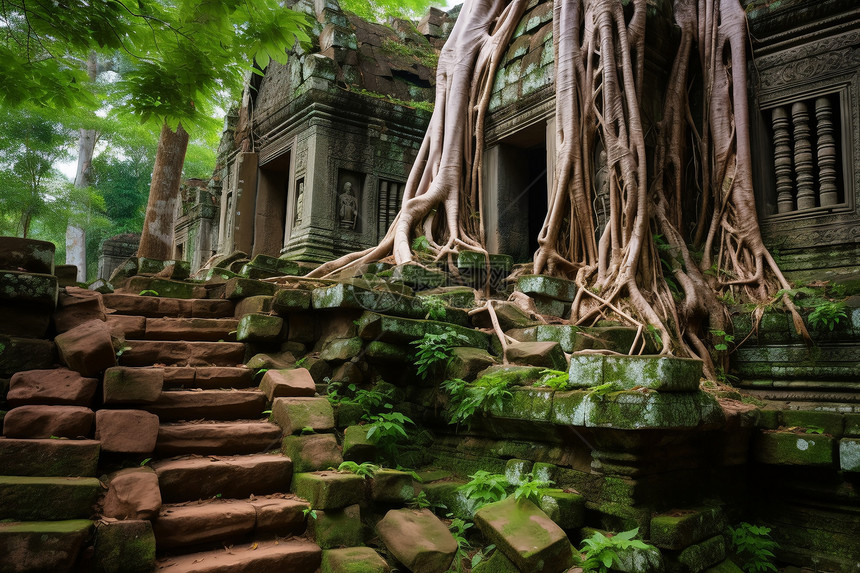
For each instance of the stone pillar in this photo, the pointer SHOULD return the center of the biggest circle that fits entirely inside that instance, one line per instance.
(826, 153)
(803, 156)
(244, 200)
(782, 160)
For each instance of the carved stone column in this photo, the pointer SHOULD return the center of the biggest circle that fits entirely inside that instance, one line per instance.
(782, 161)
(826, 152)
(803, 166)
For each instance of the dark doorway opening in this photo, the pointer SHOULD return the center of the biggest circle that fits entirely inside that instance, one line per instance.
(273, 188)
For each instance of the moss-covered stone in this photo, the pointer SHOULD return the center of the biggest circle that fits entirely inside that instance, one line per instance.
(26, 287)
(702, 555)
(526, 535)
(329, 489)
(124, 547)
(43, 545)
(239, 287)
(353, 560)
(661, 373)
(567, 509)
(419, 277)
(544, 472)
(385, 353)
(30, 255)
(291, 300)
(725, 566)
(680, 529)
(852, 424)
(356, 446)
(496, 563)
(830, 422)
(342, 349)
(447, 493)
(630, 410)
(372, 326)
(52, 458)
(348, 414)
(392, 486)
(466, 362)
(418, 539)
(768, 419)
(550, 287)
(788, 448)
(165, 288)
(849, 454)
(259, 328)
(533, 404)
(25, 498)
(312, 452)
(336, 527)
(296, 414)
(543, 354)
(513, 375)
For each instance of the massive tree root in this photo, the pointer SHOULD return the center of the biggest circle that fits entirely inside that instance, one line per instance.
(639, 266)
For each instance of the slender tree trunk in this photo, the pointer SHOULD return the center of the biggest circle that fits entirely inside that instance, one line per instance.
(76, 237)
(156, 240)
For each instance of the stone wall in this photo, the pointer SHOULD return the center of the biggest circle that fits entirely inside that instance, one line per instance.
(114, 251)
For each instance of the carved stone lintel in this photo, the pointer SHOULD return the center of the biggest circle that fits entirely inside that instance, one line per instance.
(826, 153)
(803, 164)
(782, 160)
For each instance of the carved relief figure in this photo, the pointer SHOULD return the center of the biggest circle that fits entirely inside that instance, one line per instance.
(300, 201)
(347, 207)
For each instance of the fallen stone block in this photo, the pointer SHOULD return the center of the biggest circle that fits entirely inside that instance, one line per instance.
(418, 539)
(342, 349)
(312, 452)
(549, 287)
(125, 326)
(59, 386)
(171, 268)
(567, 509)
(87, 348)
(17, 254)
(419, 277)
(24, 319)
(329, 489)
(33, 288)
(372, 326)
(124, 547)
(336, 527)
(43, 545)
(232, 477)
(127, 431)
(67, 275)
(291, 300)
(544, 354)
(661, 373)
(47, 457)
(392, 486)
(48, 421)
(288, 383)
(700, 556)
(240, 287)
(353, 560)
(680, 529)
(282, 517)
(294, 414)
(356, 446)
(526, 535)
(27, 498)
(20, 354)
(77, 306)
(123, 385)
(132, 494)
(466, 362)
(259, 328)
(789, 448)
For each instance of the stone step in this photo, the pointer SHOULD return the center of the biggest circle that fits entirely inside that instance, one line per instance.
(295, 556)
(176, 405)
(203, 377)
(226, 438)
(182, 353)
(42, 545)
(223, 521)
(232, 477)
(25, 498)
(158, 307)
(50, 458)
(200, 329)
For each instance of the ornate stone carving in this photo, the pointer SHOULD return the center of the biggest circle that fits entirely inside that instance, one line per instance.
(826, 153)
(803, 165)
(782, 160)
(808, 68)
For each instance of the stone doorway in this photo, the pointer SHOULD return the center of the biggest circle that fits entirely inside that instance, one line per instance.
(270, 218)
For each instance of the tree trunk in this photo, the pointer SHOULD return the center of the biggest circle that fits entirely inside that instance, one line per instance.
(156, 240)
(76, 238)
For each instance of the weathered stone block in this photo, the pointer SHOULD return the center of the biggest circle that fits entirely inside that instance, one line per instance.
(533, 404)
(402, 330)
(567, 509)
(288, 383)
(849, 454)
(544, 354)
(550, 287)
(124, 547)
(631, 410)
(852, 424)
(19, 354)
(24, 287)
(165, 288)
(419, 277)
(124, 385)
(27, 254)
(132, 494)
(661, 373)
(336, 527)
(261, 304)
(342, 349)
(702, 555)
(526, 535)
(329, 489)
(77, 306)
(312, 452)
(239, 287)
(24, 319)
(26, 498)
(466, 362)
(294, 414)
(513, 375)
(43, 546)
(497, 563)
(59, 386)
(87, 348)
(353, 560)
(259, 328)
(830, 422)
(356, 446)
(291, 300)
(127, 431)
(788, 448)
(46, 457)
(385, 353)
(681, 529)
(392, 486)
(174, 269)
(418, 540)
(48, 421)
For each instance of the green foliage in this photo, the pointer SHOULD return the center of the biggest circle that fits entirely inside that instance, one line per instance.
(485, 488)
(371, 401)
(148, 292)
(467, 399)
(386, 430)
(381, 10)
(531, 489)
(722, 340)
(555, 379)
(600, 392)
(421, 501)
(814, 430)
(600, 552)
(309, 513)
(421, 245)
(435, 351)
(436, 309)
(424, 55)
(827, 315)
(754, 547)
(365, 469)
(458, 530)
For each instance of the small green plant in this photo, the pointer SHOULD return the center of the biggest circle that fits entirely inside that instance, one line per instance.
(480, 396)
(814, 430)
(722, 340)
(827, 315)
(458, 530)
(601, 391)
(555, 379)
(145, 461)
(435, 351)
(386, 430)
(364, 469)
(421, 244)
(122, 350)
(307, 430)
(481, 555)
(485, 488)
(531, 489)
(435, 306)
(754, 547)
(309, 513)
(301, 362)
(421, 501)
(148, 292)
(600, 552)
